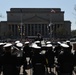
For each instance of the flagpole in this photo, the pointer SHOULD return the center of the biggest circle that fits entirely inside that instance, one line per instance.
(50, 24)
(21, 24)
(50, 30)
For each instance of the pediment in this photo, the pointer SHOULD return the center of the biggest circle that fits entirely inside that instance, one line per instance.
(36, 19)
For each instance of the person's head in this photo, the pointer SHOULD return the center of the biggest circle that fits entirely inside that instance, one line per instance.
(49, 46)
(65, 47)
(7, 47)
(26, 43)
(19, 45)
(68, 42)
(1, 45)
(17, 41)
(36, 48)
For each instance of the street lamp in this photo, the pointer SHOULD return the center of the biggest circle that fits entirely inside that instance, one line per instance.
(50, 30)
(21, 24)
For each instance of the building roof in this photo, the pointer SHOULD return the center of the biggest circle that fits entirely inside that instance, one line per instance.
(31, 10)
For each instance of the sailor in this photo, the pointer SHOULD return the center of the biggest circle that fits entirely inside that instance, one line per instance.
(65, 61)
(9, 61)
(1, 53)
(38, 43)
(48, 42)
(1, 48)
(26, 56)
(38, 61)
(74, 61)
(19, 56)
(39, 37)
(57, 49)
(50, 57)
(70, 46)
(17, 41)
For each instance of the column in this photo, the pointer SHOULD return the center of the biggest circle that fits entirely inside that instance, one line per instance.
(30, 30)
(34, 29)
(27, 29)
(14, 31)
(41, 29)
(37, 28)
(11, 28)
(44, 30)
(24, 30)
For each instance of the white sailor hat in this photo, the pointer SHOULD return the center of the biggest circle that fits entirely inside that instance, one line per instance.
(27, 42)
(48, 42)
(17, 41)
(37, 42)
(59, 42)
(49, 45)
(7, 45)
(35, 46)
(2, 44)
(67, 41)
(19, 44)
(64, 45)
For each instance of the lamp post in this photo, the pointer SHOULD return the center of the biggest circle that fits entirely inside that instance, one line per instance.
(50, 30)
(21, 24)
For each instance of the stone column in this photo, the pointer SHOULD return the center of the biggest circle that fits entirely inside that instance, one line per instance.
(14, 31)
(44, 30)
(34, 29)
(30, 30)
(41, 29)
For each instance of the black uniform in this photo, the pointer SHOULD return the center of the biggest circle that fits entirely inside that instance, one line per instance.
(26, 54)
(38, 62)
(75, 62)
(50, 57)
(9, 63)
(18, 52)
(1, 53)
(65, 62)
(70, 46)
(57, 50)
(27, 51)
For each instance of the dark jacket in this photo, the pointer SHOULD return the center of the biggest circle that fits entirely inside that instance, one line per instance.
(66, 62)
(9, 63)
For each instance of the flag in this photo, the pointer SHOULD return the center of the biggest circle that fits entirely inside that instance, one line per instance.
(53, 11)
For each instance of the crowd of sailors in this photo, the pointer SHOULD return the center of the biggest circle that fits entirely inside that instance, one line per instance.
(43, 57)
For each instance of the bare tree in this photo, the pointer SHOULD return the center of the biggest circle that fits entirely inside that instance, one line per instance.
(75, 7)
(0, 15)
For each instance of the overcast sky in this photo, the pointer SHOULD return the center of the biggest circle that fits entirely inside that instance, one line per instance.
(66, 5)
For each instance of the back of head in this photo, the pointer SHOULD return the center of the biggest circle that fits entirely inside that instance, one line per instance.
(7, 47)
(49, 47)
(65, 47)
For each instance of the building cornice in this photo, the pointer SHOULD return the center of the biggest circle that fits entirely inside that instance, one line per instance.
(35, 10)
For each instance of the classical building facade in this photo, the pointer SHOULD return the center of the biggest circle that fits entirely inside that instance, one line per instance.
(28, 22)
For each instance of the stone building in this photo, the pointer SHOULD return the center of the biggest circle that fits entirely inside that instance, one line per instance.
(28, 22)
